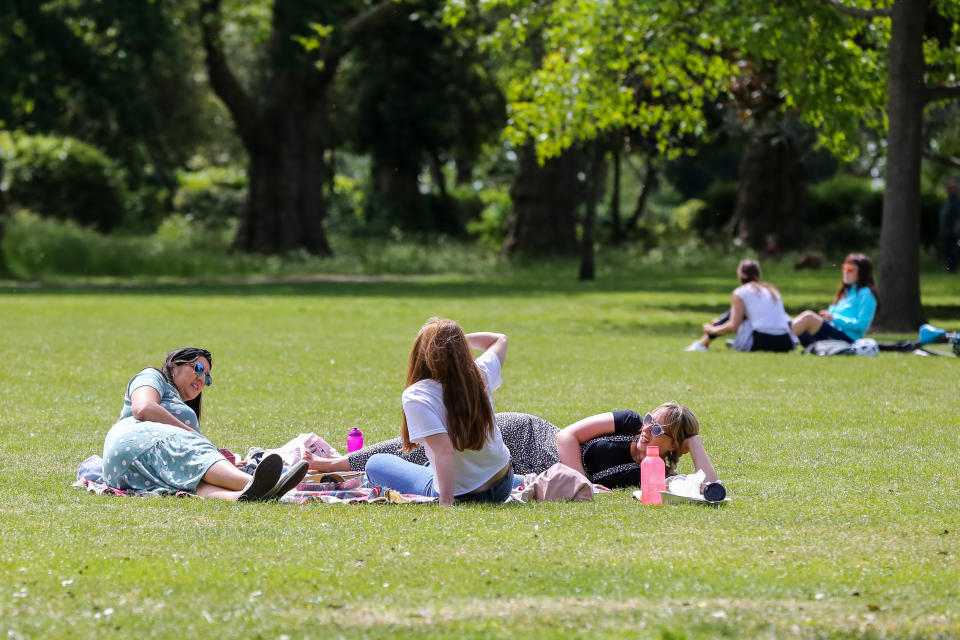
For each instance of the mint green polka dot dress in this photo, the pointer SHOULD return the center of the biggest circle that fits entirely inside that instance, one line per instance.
(152, 456)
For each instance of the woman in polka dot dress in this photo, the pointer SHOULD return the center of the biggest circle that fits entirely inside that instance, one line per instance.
(156, 445)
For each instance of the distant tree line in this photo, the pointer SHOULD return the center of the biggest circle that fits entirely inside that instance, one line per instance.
(581, 95)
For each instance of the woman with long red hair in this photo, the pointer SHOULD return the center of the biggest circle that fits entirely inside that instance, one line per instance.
(448, 408)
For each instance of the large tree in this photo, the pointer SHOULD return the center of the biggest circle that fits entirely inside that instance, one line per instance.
(86, 69)
(609, 65)
(285, 121)
(919, 29)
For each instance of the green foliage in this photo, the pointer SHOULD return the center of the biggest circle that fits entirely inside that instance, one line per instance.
(63, 178)
(39, 248)
(43, 249)
(845, 197)
(719, 203)
(657, 69)
(212, 196)
(491, 227)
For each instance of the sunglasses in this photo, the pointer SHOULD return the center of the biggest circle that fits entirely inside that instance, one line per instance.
(655, 428)
(201, 370)
(848, 267)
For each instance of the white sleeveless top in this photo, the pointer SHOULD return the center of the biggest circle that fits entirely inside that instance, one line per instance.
(766, 313)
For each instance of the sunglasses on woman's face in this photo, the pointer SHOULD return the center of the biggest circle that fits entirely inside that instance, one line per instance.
(200, 370)
(848, 267)
(655, 428)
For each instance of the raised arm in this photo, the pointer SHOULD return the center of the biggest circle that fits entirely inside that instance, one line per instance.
(487, 341)
(570, 438)
(701, 461)
(145, 404)
(442, 449)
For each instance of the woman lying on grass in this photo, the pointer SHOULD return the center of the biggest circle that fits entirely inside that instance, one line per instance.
(607, 447)
(851, 313)
(448, 408)
(157, 445)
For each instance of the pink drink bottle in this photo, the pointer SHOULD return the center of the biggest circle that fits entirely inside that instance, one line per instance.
(354, 440)
(652, 477)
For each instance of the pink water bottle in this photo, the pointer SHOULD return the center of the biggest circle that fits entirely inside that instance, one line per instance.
(354, 440)
(652, 477)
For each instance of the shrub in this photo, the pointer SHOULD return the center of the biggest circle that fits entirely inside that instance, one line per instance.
(719, 202)
(491, 227)
(212, 196)
(39, 248)
(844, 197)
(63, 178)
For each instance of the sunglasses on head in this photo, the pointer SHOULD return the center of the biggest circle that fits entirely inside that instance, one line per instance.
(201, 370)
(656, 429)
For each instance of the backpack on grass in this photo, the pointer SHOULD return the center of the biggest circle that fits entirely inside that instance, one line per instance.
(862, 347)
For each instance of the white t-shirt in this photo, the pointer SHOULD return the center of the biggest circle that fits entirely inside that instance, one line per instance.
(765, 312)
(427, 416)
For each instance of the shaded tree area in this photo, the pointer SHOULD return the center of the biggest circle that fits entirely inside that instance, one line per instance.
(608, 68)
(92, 70)
(423, 98)
(432, 104)
(285, 125)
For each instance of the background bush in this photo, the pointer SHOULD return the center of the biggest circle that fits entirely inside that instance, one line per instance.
(63, 178)
(211, 196)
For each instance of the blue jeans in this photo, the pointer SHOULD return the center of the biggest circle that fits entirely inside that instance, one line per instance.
(391, 471)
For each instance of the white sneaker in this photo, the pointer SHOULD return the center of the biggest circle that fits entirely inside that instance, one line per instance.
(696, 345)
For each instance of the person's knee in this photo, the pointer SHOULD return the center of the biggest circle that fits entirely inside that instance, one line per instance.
(377, 462)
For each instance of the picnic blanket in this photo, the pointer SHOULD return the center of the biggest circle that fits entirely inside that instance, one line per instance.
(90, 478)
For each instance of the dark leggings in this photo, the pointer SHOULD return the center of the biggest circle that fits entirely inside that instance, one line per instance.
(826, 332)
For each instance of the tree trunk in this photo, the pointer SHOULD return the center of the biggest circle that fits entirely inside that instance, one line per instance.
(616, 227)
(771, 200)
(286, 130)
(594, 192)
(545, 199)
(4, 269)
(285, 205)
(650, 181)
(899, 269)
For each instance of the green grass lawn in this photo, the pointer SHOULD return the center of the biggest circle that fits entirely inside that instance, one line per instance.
(845, 517)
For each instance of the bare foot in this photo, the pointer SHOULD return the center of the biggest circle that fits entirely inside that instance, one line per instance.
(316, 463)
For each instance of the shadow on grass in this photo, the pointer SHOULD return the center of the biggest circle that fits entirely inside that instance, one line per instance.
(400, 286)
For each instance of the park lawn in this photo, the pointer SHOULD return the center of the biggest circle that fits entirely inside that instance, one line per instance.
(844, 522)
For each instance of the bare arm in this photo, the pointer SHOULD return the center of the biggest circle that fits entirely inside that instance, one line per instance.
(443, 452)
(736, 318)
(486, 341)
(701, 461)
(145, 404)
(570, 438)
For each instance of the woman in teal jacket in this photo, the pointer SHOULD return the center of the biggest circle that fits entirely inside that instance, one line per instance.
(851, 313)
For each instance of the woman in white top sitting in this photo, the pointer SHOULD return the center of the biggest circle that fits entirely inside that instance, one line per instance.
(756, 314)
(448, 408)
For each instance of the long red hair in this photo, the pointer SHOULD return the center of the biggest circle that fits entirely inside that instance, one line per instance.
(441, 353)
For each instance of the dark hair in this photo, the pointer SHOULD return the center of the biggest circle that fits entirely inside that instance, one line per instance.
(864, 277)
(749, 271)
(186, 355)
(441, 353)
